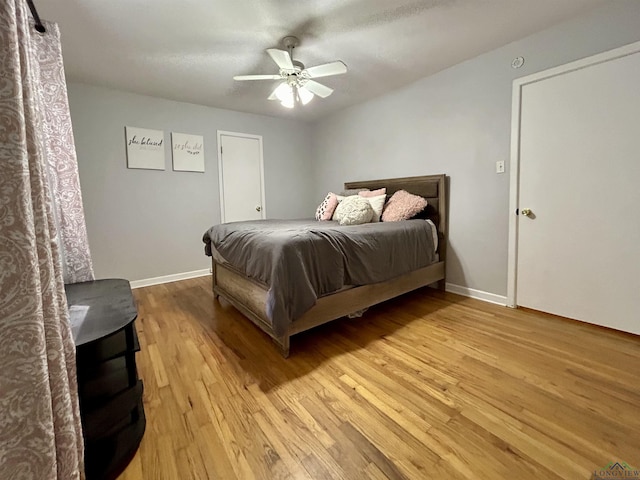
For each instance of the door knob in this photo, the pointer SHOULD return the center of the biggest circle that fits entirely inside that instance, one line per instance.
(526, 212)
(258, 208)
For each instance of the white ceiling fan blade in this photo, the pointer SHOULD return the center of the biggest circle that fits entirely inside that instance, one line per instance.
(318, 88)
(257, 77)
(281, 57)
(327, 69)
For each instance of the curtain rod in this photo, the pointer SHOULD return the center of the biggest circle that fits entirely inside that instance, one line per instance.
(36, 18)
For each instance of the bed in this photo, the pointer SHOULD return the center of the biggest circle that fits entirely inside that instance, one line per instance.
(251, 296)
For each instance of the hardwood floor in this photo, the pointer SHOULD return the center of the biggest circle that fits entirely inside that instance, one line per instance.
(429, 385)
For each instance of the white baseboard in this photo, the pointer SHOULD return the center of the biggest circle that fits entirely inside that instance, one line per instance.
(147, 282)
(477, 294)
(450, 287)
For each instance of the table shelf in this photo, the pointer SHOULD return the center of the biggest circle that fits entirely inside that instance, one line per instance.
(102, 314)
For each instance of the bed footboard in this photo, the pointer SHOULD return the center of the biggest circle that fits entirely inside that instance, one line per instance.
(250, 298)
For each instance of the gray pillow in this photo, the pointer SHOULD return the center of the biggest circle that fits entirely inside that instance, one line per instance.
(354, 210)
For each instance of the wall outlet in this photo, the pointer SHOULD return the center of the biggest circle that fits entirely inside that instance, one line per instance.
(500, 166)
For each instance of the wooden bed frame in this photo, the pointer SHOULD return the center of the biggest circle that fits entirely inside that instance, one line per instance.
(249, 296)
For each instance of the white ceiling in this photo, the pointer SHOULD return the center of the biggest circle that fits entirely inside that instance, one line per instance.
(189, 50)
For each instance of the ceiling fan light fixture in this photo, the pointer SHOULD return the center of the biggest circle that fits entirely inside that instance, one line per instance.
(287, 96)
(284, 93)
(287, 103)
(305, 95)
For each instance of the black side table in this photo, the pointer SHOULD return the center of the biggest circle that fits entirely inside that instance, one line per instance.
(102, 320)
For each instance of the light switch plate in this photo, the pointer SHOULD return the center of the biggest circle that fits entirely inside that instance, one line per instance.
(500, 166)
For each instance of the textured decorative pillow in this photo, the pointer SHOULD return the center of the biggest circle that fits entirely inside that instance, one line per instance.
(402, 206)
(373, 193)
(340, 199)
(354, 210)
(327, 207)
(377, 203)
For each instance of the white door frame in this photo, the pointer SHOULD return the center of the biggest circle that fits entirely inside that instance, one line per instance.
(518, 84)
(220, 171)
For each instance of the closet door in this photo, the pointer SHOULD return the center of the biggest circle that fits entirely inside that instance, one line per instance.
(578, 232)
(241, 177)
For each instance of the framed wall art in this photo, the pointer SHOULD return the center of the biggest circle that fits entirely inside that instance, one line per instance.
(145, 148)
(188, 152)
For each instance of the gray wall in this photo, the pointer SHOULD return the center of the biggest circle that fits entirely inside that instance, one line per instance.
(146, 223)
(458, 122)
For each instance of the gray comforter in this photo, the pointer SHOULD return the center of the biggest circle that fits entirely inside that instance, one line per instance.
(302, 260)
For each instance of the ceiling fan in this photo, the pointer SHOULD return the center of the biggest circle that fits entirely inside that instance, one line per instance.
(297, 84)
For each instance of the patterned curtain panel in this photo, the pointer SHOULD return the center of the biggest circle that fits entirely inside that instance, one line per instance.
(60, 154)
(40, 429)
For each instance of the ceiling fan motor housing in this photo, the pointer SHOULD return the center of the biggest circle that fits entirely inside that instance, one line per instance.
(294, 78)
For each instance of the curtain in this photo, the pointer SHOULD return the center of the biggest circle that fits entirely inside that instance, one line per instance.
(60, 154)
(40, 428)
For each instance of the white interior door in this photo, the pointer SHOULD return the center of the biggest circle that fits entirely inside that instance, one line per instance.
(578, 252)
(241, 177)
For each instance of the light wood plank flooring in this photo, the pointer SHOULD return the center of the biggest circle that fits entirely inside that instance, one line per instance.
(429, 385)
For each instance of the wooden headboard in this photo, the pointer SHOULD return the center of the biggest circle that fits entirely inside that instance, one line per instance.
(431, 187)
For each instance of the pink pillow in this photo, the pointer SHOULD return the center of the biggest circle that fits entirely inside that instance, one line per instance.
(327, 207)
(402, 206)
(373, 193)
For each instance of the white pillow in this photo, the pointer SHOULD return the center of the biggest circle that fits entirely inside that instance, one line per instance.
(354, 210)
(377, 203)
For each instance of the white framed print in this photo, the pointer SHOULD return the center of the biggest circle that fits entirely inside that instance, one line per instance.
(145, 148)
(188, 152)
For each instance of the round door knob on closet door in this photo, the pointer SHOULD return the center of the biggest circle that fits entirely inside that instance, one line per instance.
(526, 212)
(258, 208)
